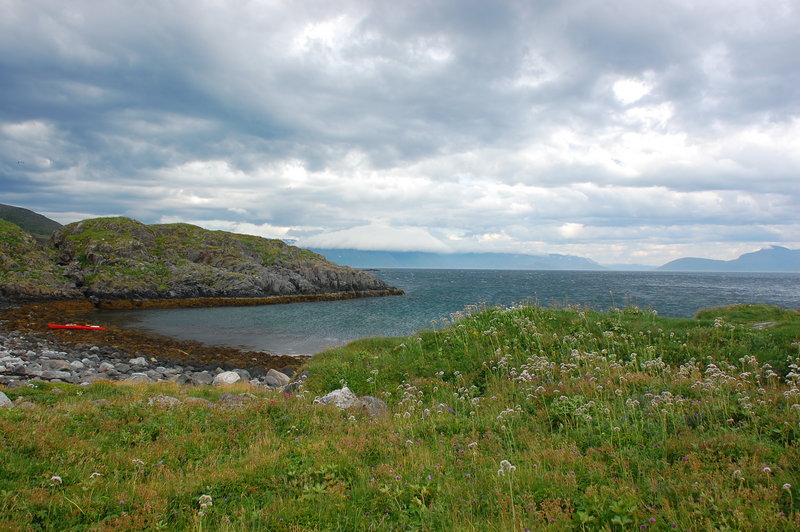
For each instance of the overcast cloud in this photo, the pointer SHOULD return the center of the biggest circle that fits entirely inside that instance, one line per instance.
(625, 131)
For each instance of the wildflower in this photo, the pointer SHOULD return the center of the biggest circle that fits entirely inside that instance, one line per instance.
(787, 486)
(766, 470)
(55, 479)
(95, 475)
(506, 467)
(205, 503)
(137, 461)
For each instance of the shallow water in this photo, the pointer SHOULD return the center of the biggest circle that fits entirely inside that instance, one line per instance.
(305, 328)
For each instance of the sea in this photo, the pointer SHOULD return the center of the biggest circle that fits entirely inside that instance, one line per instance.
(433, 297)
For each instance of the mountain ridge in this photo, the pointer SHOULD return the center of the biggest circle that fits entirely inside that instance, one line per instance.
(421, 259)
(771, 259)
(34, 223)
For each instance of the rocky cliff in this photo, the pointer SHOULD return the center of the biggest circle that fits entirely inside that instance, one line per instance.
(120, 258)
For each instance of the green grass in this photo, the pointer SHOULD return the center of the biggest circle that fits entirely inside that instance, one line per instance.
(557, 419)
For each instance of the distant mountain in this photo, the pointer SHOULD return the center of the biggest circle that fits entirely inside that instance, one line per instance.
(465, 261)
(772, 259)
(32, 222)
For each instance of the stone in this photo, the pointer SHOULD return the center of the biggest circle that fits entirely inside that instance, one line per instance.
(138, 361)
(53, 375)
(166, 401)
(197, 401)
(236, 400)
(77, 364)
(56, 365)
(372, 406)
(105, 366)
(272, 382)
(138, 377)
(243, 374)
(280, 377)
(342, 398)
(226, 377)
(202, 378)
(181, 379)
(5, 402)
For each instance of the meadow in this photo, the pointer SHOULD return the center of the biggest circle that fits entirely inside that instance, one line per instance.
(518, 418)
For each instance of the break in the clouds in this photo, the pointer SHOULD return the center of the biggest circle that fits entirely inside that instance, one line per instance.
(625, 131)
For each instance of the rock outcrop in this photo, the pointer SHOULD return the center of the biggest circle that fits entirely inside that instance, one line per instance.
(123, 259)
(28, 269)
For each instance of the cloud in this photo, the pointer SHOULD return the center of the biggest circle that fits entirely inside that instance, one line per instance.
(594, 128)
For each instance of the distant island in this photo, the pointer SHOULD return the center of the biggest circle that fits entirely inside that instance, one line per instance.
(123, 259)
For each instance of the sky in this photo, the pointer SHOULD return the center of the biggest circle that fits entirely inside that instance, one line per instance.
(626, 131)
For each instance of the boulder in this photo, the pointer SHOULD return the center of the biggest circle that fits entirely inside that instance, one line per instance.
(281, 378)
(55, 375)
(202, 378)
(243, 374)
(138, 377)
(226, 377)
(56, 365)
(272, 382)
(342, 398)
(5, 402)
(372, 406)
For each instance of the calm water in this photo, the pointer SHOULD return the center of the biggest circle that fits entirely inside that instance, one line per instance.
(304, 328)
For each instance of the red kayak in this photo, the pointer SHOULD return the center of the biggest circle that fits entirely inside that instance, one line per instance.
(75, 326)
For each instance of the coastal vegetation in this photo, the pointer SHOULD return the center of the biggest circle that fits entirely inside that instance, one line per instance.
(498, 419)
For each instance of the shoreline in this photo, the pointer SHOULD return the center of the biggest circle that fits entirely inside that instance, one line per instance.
(28, 321)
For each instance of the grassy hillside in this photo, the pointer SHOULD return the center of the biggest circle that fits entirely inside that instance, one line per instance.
(34, 223)
(508, 418)
(28, 267)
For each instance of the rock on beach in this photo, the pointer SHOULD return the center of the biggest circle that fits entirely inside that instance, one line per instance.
(29, 356)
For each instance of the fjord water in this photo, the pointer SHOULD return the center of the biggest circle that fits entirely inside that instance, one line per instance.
(434, 295)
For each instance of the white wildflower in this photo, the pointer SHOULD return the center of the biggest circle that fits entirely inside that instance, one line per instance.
(506, 467)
